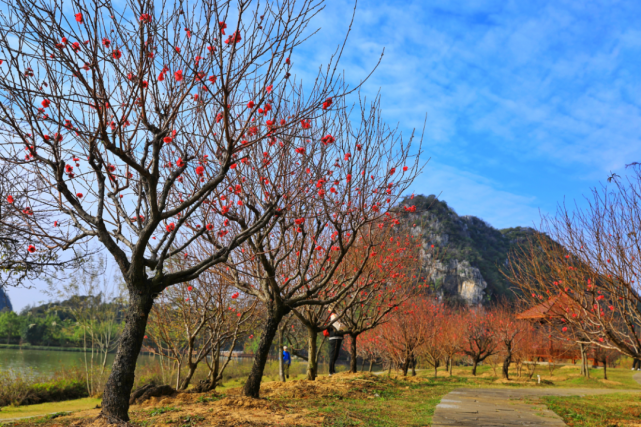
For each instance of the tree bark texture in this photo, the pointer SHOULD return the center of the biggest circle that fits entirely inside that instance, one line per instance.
(352, 354)
(115, 401)
(406, 364)
(312, 359)
(585, 369)
(506, 363)
(252, 385)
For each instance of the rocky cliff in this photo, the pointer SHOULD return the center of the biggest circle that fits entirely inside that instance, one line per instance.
(471, 252)
(5, 302)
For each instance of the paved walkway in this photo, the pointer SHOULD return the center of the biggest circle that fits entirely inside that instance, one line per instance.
(492, 407)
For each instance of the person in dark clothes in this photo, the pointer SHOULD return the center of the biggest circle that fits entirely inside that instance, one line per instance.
(636, 365)
(335, 343)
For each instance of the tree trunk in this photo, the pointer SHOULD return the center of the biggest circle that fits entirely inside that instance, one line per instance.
(413, 366)
(506, 366)
(406, 365)
(371, 363)
(312, 360)
(605, 369)
(584, 360)
(507, 360)
(451, 364)
(476, 363)
(279, 352)
(252, 385)
(115, 400)
(185, 381)
(352, 353)
(389, 371)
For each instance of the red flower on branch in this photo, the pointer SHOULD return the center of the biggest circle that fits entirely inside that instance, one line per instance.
(328, 139)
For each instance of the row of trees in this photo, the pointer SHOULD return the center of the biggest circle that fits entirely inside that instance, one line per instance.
(195, 322)
(148, 131)
(429, 332)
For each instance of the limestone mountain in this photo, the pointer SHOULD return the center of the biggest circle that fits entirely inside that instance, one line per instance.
(472, 251)
(5, 302)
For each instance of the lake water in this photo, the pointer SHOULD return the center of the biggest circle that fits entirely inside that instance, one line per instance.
(36, 363)
(45, 362)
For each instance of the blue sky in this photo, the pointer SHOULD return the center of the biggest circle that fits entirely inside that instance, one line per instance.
(527, 102)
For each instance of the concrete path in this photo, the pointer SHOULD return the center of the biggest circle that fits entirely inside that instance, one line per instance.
(492, 407)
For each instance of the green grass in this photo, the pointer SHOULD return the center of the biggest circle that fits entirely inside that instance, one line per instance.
(611, 410)
(391, 402)
(10, 412)
(161, 410)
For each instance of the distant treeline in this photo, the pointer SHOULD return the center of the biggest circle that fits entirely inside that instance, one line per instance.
(47, 325)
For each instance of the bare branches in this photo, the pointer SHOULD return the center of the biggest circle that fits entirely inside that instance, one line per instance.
(586, 285)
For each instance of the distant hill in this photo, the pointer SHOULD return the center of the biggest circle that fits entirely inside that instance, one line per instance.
(473, 251)
(5, 302)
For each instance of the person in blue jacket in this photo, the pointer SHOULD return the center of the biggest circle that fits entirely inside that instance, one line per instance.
(287, 360)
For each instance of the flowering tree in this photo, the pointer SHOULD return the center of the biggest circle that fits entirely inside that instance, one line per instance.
(370, 347)
(302, 259)
(19, 260)
(479, 337)
(405, 333)
(434, 316)
(388, 281)
(510, 333)
(142, 128)
(587, 270)
(452, 326)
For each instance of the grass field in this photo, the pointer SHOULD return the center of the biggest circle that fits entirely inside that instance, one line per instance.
(10, 412)
(612, 410)
(350, 400)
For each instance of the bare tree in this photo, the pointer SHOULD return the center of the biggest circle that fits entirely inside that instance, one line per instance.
(584, 265)
(478, 337)
(132, 125)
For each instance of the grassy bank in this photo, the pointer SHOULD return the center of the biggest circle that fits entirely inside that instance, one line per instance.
(347, 400)
(17, 390)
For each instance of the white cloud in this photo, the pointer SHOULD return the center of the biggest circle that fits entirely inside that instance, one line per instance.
(471, 194)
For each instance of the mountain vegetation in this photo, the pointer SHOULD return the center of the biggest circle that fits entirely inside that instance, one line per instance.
(468, 238)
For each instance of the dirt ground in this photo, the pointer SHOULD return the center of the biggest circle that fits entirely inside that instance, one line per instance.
(279, 405)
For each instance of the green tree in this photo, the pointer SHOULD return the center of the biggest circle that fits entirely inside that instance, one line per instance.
(9, 325)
